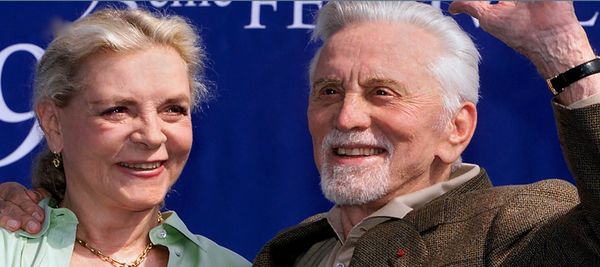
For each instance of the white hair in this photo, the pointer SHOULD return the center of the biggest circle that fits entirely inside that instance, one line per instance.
(355, 185)
(456, 69)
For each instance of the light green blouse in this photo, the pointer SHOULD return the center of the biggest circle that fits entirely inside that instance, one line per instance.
(53, 245)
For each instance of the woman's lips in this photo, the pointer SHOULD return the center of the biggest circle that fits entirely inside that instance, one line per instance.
(142, 169)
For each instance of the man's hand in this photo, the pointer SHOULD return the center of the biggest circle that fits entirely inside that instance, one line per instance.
(546, 32)
(19, 209)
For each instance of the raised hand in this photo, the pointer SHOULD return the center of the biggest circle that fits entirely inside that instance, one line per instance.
(546, 32)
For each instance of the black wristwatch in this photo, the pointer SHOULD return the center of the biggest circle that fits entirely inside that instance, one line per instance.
(558, 83)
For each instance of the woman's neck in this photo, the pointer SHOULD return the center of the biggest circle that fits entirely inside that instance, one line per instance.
(114, 231)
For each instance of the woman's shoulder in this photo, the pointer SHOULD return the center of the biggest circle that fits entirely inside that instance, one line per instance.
(50, 246)
(186, 245)
(221, 255)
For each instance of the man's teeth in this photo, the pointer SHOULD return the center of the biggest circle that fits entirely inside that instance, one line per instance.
(358, 151)
(141, 166)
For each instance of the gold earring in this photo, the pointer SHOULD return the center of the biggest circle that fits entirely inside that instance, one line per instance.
(56, 159)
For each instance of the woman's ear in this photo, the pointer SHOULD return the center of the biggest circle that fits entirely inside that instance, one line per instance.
(458, 133)
(47, 113)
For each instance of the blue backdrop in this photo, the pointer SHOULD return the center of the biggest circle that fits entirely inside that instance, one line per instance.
(251, 171)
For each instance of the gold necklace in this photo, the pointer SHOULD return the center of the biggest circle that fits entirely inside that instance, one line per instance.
(114, 262)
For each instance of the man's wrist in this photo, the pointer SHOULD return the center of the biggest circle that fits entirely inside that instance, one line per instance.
(561, 50)
(559, 82)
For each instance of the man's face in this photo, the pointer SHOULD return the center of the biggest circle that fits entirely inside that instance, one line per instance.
(375, 113)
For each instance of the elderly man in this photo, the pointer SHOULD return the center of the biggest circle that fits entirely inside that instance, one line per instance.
(391, 109)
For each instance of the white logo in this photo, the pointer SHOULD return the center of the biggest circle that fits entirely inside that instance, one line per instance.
(7, 115)
(35, 134)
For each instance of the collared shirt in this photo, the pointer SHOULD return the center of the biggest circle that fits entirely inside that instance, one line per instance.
(337, 252)
(588, 101)
(53, 245)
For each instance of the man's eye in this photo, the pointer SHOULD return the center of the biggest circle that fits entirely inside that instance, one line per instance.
(329, 91)
(176, 109)
(114, 110)
(382, 91)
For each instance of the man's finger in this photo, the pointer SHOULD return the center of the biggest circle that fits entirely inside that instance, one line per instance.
(36, 195)
(18, 210)
(25, 200)
(473, 8)
(12, 218)
(9, 223)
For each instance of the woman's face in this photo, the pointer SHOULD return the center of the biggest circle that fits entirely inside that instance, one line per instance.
(127, 134)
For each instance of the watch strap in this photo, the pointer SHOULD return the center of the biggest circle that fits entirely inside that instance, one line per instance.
(558, 83)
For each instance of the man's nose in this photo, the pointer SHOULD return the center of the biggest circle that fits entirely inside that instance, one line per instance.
(354, 114)
(149, 132)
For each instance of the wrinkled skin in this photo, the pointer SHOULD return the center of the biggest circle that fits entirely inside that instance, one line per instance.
(546, 32)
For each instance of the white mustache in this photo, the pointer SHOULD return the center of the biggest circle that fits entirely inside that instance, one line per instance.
(337, 138)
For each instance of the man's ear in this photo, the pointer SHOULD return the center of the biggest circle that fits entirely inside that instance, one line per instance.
(458, 132)
(47, 113)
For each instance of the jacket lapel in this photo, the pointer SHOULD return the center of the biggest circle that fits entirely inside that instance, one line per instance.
(392, 243)
(288, 246)
(399, 242)
(436, 211)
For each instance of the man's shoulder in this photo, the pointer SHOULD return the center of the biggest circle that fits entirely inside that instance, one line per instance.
(518, 207)
(313, 218)
(293, 241)
(551, 189)
(486, 206)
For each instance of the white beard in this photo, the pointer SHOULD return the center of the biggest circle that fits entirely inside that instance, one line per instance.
(354, 185)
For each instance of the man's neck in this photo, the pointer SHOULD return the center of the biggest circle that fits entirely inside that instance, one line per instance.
(351, 215)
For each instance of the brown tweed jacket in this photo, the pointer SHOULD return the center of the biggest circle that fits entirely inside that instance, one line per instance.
(547, 223)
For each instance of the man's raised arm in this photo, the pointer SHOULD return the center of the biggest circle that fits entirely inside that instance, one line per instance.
(546, 32)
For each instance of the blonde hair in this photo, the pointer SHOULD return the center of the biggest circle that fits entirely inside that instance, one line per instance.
(113, 30)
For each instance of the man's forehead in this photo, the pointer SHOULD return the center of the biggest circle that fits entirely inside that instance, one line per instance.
(379, 42)
(378, 33)
(377, 50)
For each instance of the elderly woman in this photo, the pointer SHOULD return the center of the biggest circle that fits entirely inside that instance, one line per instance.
(113, 94)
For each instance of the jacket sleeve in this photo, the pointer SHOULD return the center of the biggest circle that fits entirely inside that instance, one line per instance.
(579, 134)
(572, 238)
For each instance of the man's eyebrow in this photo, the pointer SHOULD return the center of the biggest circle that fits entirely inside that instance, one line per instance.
(324, 81)
(392, 84)
(181, 98)
(382, 81)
